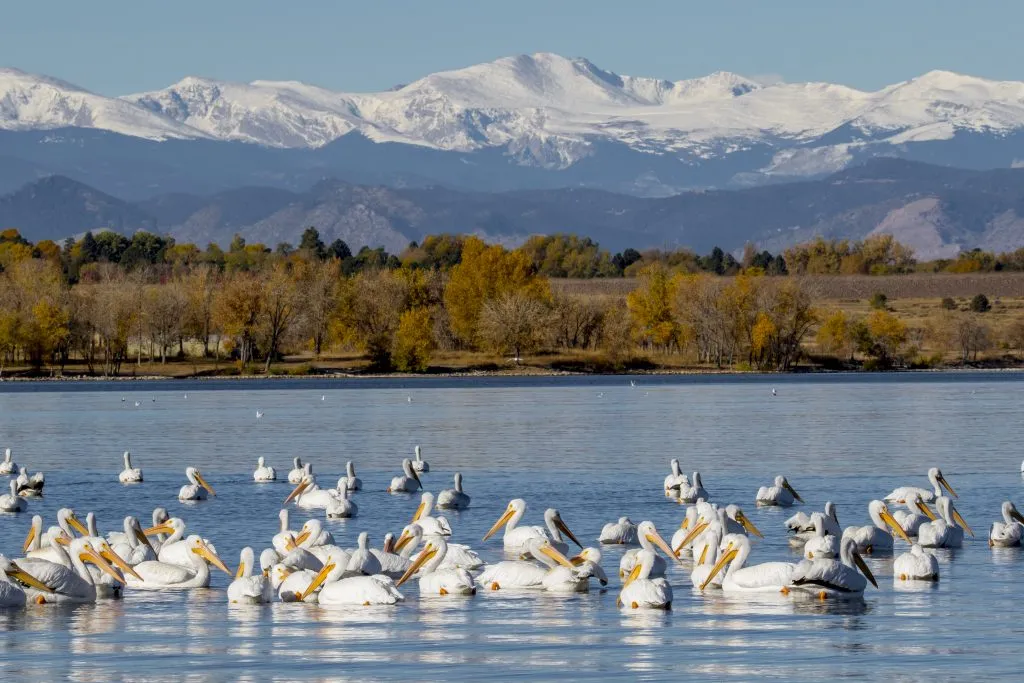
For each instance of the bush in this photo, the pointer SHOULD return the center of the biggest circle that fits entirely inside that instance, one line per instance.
(949, 303)
(879, 301)
(980, 304)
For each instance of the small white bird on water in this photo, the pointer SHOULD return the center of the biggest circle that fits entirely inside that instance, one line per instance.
(129, 475)
(259, 414)
(7, 466)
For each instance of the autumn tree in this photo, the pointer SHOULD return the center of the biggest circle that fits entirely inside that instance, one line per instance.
(371, 310)
(414, 341)
(885, 338)
(514, 323)
(835, 335)
(238, 310)
(650, 305)
(317, 293)
(280, 304)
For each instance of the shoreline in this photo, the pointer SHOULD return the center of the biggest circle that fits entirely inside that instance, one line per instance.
(531, 372)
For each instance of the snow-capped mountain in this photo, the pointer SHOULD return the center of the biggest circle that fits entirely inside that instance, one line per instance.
(551, 113)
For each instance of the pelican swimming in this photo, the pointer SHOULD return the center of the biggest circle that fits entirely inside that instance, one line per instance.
(340, 506)
(675, 479)
(455, 498)
(781, 494)
(517, 538)
(249, 588)
(263, 473)
(524, 574)
(622, 532)
(297, 472)
(352, 482)
(845, 578)
(435, 580)
(802, 527)
(905, 493)
(30, 487)
(432, 526)
(196, 488)
(767, 577)
(309, 496)
(649, 539)
(12, 502)
(1008, 533)
(35, 547)
(916, 514)
(916, 565)
(876, 538)
(690, 520)
(335, 589)
(132, 544)
(162, 576)
(946, 532)
(159, 517)
(457, 555)
(822, 545)
(12, 594)
(641, 591)
(690, 494)
(129, 475)
(7, 466)
(408, 482)
(284, 536)
(419, 464)
(69, 582)
(361, 560)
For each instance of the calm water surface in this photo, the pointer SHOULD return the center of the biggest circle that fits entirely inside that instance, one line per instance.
(596, 449)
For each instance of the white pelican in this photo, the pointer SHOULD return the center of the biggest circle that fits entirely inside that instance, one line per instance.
(690, 494)
(435, 580)
(916, 514)
(589, 562)
(12, 594)
(822, 545)
(71, 582)
(802, 528)
(352, 483)
(453, 499)
(432, 526)
(1008, 533)
(905, 493)
(312, 535)
(916, 565)
(649, 539)
(767, 577)
(622, 532)
(458, 555)
(7, 466)
(247, 588)
(67, 524)
(517, 538)
(876, 538)
(947, 532)
(161, 576)
(391, 563)
(297, 472)
(30, 487)
(196, 488)
(522, 574)
(159, 517)
(12, 502)
(419, 464)
(705, 556)
(641, 591)
(263, 473)
(685, 527)
(35, 548)
(132, 544)
(291, 583)
(408, 482)
(675, 479)
(781, 494)
(829, 578)
(361, 560)
(737, 522)
(340, 506)
(107, 587)
(309, 496)
(339, 590)
(129, 475)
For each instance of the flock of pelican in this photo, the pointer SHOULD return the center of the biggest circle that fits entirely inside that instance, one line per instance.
(72, 562)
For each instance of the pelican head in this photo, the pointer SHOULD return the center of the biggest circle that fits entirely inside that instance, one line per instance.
(268, 558)
(260, 462)
(648, 534)
(553, 518)
(69, 518)
(433, 548)
(516, 507)
(733, 546)
(410, 534)
(408, 471)
(299, 489)
(937, 479)
(13, 571)
(782, 482)
(737, 515)
(34, 532)
(426, 506)
(1008, 508)
(952, 515)
(880, 511)
(848, 553)
(201, 548)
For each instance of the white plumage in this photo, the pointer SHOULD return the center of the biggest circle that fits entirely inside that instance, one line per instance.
(129, 475)
(916, 565)
(622, 532)
(408, 482)
(640, 591)
(249, 588)
(263, 472)
(1008, 533)
(454, 498)
(780, 494)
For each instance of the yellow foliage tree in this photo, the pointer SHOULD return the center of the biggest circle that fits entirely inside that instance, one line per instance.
(835, 334)
(414, 340)
(650, 306)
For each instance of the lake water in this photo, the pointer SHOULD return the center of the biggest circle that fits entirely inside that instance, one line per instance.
(596, 448)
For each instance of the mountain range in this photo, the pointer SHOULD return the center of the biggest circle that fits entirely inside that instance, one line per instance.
(939, 211)
(528, 122)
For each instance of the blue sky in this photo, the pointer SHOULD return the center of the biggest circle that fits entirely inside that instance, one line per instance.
(117, 47)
